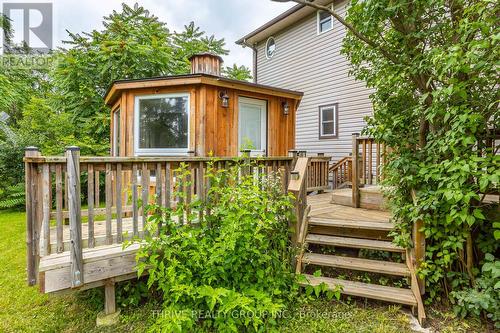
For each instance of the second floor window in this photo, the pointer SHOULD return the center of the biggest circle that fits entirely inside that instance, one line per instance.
(270, 48)
(325, 21)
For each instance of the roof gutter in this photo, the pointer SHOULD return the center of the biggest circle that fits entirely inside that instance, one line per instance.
(269, 24)
(254, 49)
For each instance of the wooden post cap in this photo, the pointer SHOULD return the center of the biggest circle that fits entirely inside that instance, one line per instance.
(73, 148)
(31, 148)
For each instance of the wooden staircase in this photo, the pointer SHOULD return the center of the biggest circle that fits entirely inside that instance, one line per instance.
(332, 225)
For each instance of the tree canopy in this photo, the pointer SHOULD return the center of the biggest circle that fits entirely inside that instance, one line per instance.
(63, 104)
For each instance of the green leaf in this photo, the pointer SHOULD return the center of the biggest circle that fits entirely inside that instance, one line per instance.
(478, 214)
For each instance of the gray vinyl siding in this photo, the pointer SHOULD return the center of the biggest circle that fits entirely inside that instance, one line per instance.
(312, 63)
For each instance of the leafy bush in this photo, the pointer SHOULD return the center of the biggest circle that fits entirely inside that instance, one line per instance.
(12, 196)
(229, 268)
(485, 296)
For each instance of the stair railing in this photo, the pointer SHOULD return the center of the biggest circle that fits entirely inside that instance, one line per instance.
(341, 173)
(298, 187)
(368, 157)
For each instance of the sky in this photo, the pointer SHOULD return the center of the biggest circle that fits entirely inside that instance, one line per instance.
(228, 19)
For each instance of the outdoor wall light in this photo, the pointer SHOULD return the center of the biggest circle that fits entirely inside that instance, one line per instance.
(286, 108)
(225, 99)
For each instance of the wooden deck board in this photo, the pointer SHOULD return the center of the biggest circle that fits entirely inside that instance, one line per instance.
(370, 197)
(368, 265)
(100, 263)
(357, 243)
(360, 289)
(321, 206)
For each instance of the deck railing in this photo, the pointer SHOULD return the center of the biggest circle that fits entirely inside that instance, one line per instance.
(368, 158)
(317, 170)
(111, 190)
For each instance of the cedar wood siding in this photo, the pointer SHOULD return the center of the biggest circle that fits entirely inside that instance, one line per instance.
(213, 129)
(312, 63)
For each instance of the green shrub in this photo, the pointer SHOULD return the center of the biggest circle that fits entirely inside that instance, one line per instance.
(230, 269)
(485, 296)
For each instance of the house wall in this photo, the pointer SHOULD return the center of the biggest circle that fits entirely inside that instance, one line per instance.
(213, 129)
(312, 63)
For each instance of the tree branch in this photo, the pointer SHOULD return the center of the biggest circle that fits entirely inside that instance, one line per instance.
(353, 30)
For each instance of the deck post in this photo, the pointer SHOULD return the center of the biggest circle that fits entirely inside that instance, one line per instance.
(246, 162)
(31, 232)
(109, 294)
(75, 216)
(293, 153)
(355, 176)
(110, 315)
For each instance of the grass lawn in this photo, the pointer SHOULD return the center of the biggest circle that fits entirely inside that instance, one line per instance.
(24, 309)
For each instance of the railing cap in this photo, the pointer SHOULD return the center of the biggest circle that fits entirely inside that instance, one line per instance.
(31, 148)
(73, 148)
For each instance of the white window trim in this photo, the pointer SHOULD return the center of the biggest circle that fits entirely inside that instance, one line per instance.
(334, 121)
(159, 151)
(318, 22)
(275, 48)
(263, 125)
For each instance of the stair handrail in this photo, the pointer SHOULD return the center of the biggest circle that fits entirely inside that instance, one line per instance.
(339, 162)
(335, 169)
(298, 187)
(418, 240)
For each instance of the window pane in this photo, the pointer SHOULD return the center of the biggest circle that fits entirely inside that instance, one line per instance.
(328, 128)
(327, 114)
(325, 25)
(270, 47)
(323, 15)
(163, 122)
(116, 132)
(250, 126)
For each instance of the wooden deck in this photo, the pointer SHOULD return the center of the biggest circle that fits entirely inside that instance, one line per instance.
(112, 261)
(322, 207)
(99, 233)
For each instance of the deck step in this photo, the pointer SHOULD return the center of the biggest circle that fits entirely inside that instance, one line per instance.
(370, 197)
(360, 289)
(366, 265)
(357, 243)
(340, 223)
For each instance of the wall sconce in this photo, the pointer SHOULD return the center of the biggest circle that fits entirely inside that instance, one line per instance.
(286, 108)
(225, 99)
